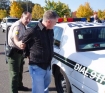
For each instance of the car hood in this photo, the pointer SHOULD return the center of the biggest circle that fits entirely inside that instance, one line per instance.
(10, 23)
(7, 24)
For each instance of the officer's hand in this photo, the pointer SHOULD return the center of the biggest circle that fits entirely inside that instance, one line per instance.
(22, 45)
(28, 57)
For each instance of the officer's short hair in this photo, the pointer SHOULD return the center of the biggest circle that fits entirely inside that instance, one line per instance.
(25, 13)
(50, 14)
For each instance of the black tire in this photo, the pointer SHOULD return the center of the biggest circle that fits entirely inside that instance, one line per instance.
(61, 82)
(8, 28)
(6, 43)
(3, 30)
(6, 58)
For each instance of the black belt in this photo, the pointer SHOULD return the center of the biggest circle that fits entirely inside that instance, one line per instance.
(18, 51)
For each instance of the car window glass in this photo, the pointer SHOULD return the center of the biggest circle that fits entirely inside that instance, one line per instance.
(90, 38)
(57, 35)
(32, 24)
(11, 20)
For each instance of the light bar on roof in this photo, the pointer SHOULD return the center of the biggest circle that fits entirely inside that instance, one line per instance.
(83, 19)
(71, 19)
(65, 20)
(60, 20)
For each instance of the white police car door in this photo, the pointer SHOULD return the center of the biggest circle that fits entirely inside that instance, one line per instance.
(57, 39)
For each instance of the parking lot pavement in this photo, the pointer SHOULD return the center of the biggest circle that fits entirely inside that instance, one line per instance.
(4, 76)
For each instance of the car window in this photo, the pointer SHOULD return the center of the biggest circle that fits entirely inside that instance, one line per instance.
(89, 39)
(57, 35)
(32, 24)
(11, 20)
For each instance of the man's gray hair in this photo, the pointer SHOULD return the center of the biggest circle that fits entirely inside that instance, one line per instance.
(50, 14)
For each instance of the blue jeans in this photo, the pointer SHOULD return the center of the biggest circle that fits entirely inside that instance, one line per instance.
(40, 79)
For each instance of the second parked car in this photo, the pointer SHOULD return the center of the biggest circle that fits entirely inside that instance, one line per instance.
(7, 22)
(32, 24)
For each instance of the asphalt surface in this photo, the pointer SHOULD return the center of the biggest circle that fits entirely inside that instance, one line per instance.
(4, 75)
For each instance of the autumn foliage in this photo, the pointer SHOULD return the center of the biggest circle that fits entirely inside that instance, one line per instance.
(3, 13)
(61, 8)
(37, 11)
(16, 10)
(84, 11)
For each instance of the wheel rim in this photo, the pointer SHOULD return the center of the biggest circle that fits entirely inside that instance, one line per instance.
(61, 83)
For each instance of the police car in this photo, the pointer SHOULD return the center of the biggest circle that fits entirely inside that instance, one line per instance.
(78, 64)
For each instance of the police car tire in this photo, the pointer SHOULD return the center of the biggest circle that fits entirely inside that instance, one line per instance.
(66, 85)
(8, 28)
(5, 54)
(3, 30)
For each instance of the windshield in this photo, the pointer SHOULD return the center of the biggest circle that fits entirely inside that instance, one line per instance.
(89, 39)
(11, 20)
(32, 24)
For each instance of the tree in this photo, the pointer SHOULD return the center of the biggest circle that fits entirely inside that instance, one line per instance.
(101, 14)
(61, 8)
(3, 13)
(16, 10)
(37, 11)
(84, 11)
(26, 5)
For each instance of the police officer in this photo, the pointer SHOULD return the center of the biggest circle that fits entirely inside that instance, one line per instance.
(16, 59)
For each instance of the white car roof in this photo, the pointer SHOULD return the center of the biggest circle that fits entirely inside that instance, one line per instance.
(10, 18)
(34, 21)
(77, 25)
